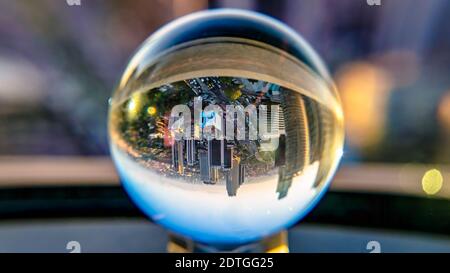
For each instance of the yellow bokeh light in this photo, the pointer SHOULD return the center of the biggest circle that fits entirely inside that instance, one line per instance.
(432, 182)
(134, 106)
(364, 89)
(151, 110)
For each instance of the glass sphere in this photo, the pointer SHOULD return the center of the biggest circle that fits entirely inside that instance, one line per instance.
(225, 127)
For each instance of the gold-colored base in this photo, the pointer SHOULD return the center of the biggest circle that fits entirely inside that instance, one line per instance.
(277, 243)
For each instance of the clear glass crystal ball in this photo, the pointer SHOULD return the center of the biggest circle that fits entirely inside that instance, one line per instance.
(225, 127)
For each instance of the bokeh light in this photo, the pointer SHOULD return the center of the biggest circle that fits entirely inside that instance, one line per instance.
(432, 182)
(364, 88)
